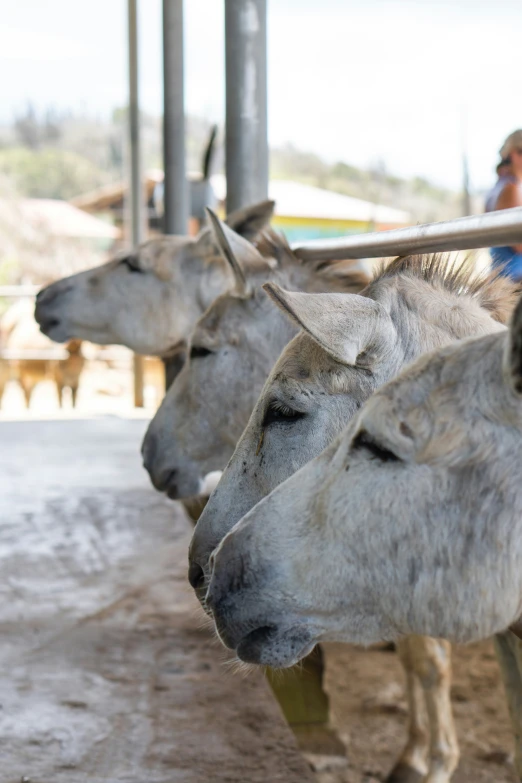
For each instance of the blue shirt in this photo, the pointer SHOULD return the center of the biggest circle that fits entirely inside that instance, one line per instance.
(496, 190)
(504, 258)
(507, 260)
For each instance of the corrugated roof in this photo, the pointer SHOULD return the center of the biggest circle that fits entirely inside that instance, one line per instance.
(294, 199)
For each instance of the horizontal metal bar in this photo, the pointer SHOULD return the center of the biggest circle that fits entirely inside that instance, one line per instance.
(494, 229)
(29, 355)
(19, 290)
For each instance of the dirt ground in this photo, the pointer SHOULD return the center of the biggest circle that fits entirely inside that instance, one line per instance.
(369, 711)
(106, 672)
(92, 566)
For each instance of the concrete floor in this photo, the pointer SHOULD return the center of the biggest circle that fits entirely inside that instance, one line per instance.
(106, 671)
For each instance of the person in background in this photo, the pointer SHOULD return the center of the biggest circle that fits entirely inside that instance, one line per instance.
(509, 195)
(504, 176)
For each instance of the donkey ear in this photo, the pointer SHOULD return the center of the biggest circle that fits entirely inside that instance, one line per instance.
(242, 256)
(208, 155)
(249, 221)
(344, 325)
(513, 354)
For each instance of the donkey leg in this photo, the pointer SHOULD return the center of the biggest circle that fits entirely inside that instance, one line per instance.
(432, 661)
(27, 389)
(509, 655)
(411, 766)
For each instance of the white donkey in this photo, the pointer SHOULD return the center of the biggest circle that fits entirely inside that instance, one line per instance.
(350, 345)
(149, 299)
(232, 349)
(409, 523)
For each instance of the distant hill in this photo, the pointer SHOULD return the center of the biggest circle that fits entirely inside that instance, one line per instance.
(424, 201)
(62, 155)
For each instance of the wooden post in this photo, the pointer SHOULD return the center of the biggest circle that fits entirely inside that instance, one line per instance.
(305, 704)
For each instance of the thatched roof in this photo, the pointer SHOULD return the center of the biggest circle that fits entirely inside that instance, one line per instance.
(59, 218)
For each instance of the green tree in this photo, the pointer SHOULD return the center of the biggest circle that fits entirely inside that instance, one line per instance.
(49, 173)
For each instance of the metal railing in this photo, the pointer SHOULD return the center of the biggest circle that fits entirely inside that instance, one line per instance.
(493, 229)
(18, 291)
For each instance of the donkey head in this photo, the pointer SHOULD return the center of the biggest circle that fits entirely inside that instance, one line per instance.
(349, 346)
(231, 351)
(408, 523)
(147, 299)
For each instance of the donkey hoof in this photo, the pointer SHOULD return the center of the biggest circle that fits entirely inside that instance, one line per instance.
(403, 773)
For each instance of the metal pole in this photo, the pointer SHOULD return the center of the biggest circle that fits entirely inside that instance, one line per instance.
(175, 193)
(466, 195)
(246, 102)
(491, 230)
(136, 187)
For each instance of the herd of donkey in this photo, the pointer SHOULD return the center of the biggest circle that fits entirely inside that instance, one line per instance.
(364, 437)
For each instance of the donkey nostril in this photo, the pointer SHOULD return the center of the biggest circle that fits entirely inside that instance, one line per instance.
(196, 576)
(169, 485)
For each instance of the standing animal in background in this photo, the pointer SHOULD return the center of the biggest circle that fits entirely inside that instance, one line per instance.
(348, 347)
(148, 299)
(409, 522)
(29, 355)
(31, 372)
(7, 323)
(5, 376)
(67, 371)
(232, 349)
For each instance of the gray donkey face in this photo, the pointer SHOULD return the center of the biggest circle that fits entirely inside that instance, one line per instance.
(310, 393)
(409, 523)
(231, 351)
(195, 430)
(233, 348)
(149, 299)
(350, 345)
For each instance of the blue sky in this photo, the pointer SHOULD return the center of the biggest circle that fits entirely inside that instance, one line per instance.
(405, 82)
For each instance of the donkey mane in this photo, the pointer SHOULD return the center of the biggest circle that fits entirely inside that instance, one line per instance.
(349, 279)
(457, 275)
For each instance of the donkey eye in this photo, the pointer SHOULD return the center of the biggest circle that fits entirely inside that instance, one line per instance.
(364, 441)
(131, 263)
(199, 352)
(277, 412)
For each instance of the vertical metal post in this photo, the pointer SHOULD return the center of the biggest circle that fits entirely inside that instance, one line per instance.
(175, 182)
(466, 195)
(136, 186)
(246, 102)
